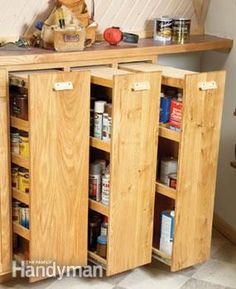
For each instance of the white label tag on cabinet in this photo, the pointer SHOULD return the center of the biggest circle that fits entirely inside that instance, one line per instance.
(139, 86)
(58, 86)
(207, 85)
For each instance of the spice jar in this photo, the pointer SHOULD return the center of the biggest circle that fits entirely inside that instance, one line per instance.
(19, 106)
(102, 246)
(14, 177)
(23, 180)
(24, 144)
(95, 181)
(15, 142)
(16, 211)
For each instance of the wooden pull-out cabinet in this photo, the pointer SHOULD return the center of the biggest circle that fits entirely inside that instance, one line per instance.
(58, 129)
(196, 147)
(5, 214)
(132, 154)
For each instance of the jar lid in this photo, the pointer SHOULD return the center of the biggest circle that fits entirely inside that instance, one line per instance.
(102, 240)
(99, 106)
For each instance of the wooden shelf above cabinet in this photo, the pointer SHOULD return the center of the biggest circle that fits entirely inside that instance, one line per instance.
(21, 231)
(19, 123)
(98, 207)
(20, 161)
(169, 134)
(100, 144)
(21, 196)
(166, 191)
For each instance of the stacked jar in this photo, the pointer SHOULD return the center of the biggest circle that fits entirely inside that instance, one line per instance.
(20, 143)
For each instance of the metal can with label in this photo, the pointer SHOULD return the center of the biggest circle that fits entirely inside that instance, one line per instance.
(24, 144)
(106, 189)
(181, 30)
(16, 211)
(172, 181)
(163, 29)
(24, 181)
(14, 177)
(24, 216)
(15, 142)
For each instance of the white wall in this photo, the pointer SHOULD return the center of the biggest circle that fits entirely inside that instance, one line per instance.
(221, 21)
(131, 15)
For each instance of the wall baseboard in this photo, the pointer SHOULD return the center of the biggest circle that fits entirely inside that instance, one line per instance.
(224, 228)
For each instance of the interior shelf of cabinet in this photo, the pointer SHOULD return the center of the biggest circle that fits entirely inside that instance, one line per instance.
(19, 123)
(21, 196)
(100, 144)
(20, 161)
(166, 191)
(169, 134)
(93, 257)
(21, 231)
(159, 255)
(98, 207)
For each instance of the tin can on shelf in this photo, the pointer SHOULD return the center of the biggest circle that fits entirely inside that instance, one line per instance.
(172, 181)
(19, 106)
(23, 180)
(15, 142)
(24, 144)
(163, 29)
(16, 211)
(181, 29)
(14, 177)
(24, 215)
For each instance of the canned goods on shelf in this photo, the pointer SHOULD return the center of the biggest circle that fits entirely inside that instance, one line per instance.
(24, 144)
(23, 180)
(163, 29)
(181, 29)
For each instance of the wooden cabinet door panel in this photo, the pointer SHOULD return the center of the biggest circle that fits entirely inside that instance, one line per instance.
(59, 158)
(133, 167)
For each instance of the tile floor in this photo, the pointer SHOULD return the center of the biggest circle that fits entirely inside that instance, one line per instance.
(218, 273)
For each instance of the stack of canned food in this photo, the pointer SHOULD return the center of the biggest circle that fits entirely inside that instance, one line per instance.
(20, 213)
(20, 179)
(20, 142)
(167, 29)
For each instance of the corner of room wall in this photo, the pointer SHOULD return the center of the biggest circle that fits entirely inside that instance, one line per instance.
(221, 21)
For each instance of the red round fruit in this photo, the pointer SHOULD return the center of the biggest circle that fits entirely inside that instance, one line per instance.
(113, 35)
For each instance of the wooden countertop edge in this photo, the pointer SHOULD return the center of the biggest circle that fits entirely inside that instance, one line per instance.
(146, 47)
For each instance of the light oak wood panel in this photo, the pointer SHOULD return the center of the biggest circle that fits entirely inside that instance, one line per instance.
(99, 207)
(169, 134)
(171, 76)
(103, 51)
(20, 161)
(5, 212)
(21, 231)
(133, 166)
(19, 123)
(100, 144)
(197, 170)
(21, 196)
(166, 191)
(59, 148)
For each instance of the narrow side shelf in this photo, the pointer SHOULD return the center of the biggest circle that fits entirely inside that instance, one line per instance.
(21, 196)
(100, 144)
(166, 191)
(157, 254)
(19, 123)
(98, 207)
(20, 161)
(94, 257)
(21, 231)
(169, 134)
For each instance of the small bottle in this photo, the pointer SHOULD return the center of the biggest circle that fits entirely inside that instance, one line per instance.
(106, 187)
(102, 246)
(95, 181)
(99, 108)
(104, 227)
(15, 142)
(107, 123)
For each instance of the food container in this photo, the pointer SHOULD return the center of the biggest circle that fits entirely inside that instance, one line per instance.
(24, 181)
(24, 215)
(102, 246)
(94, 232)
(19, 106)
(14, 177)
(181, 30)
(172, 181)
(16, 211)
(163, 29)
(168, 166)
(15, 142)
(24, 144)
